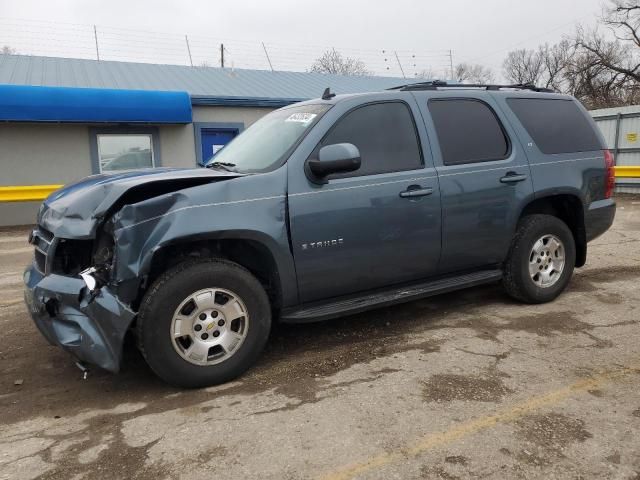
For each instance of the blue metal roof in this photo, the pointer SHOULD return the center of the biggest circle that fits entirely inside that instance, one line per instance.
(207, 85)
(89, 105)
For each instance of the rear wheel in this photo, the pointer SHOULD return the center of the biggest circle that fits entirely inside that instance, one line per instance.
(203, 322)
(541, 259)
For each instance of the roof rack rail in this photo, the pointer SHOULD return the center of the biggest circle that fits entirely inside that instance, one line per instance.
(436, 84)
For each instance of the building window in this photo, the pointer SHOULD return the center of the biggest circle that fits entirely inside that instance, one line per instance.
(121, 149)
(124, 152)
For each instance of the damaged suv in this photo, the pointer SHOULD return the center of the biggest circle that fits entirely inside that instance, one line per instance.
(321, 209)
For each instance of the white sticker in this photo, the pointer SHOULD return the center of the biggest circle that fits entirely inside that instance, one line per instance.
(301, 117)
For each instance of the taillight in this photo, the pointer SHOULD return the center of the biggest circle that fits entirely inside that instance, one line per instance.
(610, 176)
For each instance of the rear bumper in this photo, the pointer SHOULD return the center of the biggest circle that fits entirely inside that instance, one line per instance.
(599, 217)
(90, 326)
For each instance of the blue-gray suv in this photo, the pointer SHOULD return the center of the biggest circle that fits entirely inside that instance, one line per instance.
(321, 209)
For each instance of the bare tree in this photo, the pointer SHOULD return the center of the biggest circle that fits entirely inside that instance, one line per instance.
(600, 69)
(614, 55)
(469, 73)
(596, 85)
(556, 59)
(523, 66)
(426, 74)
(7, 50)
(332, 61)
(623, 17)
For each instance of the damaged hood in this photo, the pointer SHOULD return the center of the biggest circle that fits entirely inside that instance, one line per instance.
(75, 210)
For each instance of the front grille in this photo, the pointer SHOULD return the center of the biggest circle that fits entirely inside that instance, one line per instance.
(44, 244)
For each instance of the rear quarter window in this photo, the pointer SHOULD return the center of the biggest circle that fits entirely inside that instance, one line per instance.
(555, 125)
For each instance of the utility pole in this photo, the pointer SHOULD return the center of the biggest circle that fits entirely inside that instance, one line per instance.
(451, 63)
(399, 64)
(186, 39)
(222, 55)
(267, 54)
(95, 36)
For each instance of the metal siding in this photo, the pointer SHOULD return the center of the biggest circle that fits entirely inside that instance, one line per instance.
(203, 81)
(606, 119)
(628, 158)
(629, 126)
(608, 129)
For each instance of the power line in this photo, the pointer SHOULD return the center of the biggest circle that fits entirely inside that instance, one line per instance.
(105, 43)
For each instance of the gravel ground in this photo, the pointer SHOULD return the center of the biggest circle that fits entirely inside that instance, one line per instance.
(465, 385)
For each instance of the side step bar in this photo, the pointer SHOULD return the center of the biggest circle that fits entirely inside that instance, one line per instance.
(355, 304)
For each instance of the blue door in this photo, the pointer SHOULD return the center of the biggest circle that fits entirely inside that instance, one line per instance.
(213, 139)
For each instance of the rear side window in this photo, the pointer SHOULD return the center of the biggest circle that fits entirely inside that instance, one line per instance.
(385, 134)
(468, 131)
(555, 125)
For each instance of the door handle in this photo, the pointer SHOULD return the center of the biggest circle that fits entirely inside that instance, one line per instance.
(414, 191)
(512, 177)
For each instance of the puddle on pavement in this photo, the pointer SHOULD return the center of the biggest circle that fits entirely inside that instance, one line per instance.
(590, 279)
(456, 459)
(548, 434)
(436, 472)
(544, 324)
(449, 387)
(614, 458)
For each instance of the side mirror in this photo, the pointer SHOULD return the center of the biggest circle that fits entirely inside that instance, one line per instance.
(337, 158)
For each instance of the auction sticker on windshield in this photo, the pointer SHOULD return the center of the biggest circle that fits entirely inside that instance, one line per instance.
(301, 117)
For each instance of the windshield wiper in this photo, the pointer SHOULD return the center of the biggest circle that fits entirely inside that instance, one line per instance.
(224, 165)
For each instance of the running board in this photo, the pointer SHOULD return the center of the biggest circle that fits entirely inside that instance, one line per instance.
(380, 298)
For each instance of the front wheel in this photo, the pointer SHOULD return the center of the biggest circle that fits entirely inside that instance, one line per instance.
(203, 322)
(541, 259)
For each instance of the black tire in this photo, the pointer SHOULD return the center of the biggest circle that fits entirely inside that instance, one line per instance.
(164, 297)
(516, 280)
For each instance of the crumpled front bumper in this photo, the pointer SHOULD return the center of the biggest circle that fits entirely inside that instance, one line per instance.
(90, 326)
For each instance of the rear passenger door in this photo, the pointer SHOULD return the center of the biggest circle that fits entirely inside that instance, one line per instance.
(484, 178)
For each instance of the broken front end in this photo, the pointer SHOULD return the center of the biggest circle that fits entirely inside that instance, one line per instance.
(70, 299)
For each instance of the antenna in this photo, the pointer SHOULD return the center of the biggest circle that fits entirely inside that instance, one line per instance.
(327, 95)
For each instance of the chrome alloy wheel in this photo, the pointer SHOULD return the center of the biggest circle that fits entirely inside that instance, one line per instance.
(546, 261)
(209, 326)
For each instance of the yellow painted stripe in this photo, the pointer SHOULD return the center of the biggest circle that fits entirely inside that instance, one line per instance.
(627, 171)
(470, 427)
(29, 193)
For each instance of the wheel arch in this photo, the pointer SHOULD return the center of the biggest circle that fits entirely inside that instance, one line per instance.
(568, 207)
(248, 249)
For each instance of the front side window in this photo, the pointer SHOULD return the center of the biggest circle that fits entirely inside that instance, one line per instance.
(124, 152)
(265, 145)
(385, 134)
(468, 131)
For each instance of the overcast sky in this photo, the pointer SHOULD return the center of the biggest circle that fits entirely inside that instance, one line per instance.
(422, 31)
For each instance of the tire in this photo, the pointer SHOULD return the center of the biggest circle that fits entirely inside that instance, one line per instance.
(188, 361)
(518, 280)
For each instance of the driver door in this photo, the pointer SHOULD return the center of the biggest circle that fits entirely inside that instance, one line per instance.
(364, 230)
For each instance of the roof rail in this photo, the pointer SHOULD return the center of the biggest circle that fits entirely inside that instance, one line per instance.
(436, 84)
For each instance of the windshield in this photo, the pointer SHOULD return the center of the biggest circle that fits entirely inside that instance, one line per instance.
(266, 143)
